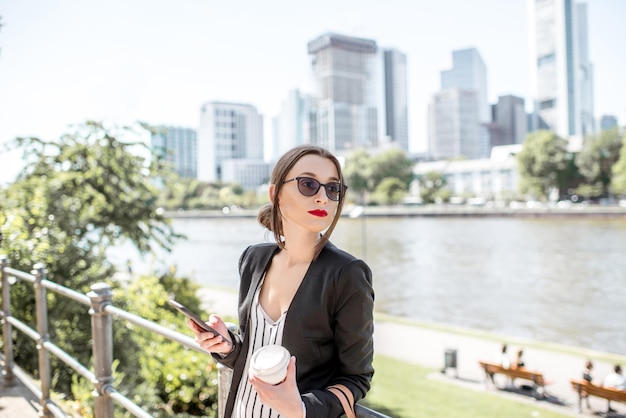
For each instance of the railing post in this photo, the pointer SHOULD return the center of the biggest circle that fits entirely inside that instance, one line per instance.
(41, 306)
(224, 377)
(7, 330)
(102, 335)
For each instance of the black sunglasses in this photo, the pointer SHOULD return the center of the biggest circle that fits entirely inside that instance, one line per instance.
(309, 187)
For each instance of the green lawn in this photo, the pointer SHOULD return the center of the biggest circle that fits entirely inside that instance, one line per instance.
(403, 390)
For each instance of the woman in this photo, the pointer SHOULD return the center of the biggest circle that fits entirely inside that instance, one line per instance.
(303, 293)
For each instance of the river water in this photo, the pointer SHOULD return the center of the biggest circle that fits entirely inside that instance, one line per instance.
(560, 280)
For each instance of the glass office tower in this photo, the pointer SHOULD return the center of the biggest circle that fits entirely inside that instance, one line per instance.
(561, 74)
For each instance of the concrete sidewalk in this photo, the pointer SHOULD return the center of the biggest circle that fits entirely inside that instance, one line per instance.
(426, 344)
(17, 401)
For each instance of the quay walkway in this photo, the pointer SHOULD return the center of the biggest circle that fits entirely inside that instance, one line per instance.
(17, 401)
(426, 344)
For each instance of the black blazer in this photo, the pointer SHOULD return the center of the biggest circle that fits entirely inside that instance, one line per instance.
(329, 326)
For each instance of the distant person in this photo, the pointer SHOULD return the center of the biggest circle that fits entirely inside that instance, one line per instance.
(587, 372)
(504, 360)
(615, 380)
(588, 378)
(519, 359)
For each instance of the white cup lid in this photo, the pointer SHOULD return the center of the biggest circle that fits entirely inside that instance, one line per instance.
(269, 359)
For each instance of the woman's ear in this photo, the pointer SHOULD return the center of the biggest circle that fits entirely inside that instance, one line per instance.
(272, 191)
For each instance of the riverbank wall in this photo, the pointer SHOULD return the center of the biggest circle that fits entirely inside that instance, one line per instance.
(433, 211)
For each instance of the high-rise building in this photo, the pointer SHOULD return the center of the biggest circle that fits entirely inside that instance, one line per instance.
(228, 131)
(469, 72)
(248, 173)
(291, 125)
(561, 74)
(509, 114)
(396, 98)
(347, 112)
(178, 147)
(459, 114)
(608, 122)
(360, 98)
(453, 123)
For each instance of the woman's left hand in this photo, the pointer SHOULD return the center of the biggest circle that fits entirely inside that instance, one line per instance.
(283, 397)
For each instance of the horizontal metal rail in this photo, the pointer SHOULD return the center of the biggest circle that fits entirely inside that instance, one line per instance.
(20, 274)
(130, 406)
(53, 348)
(156, 328)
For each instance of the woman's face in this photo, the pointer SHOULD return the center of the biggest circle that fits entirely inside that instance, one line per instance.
(312, 213)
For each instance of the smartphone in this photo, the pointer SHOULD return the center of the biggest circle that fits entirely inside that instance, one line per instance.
(195, 318)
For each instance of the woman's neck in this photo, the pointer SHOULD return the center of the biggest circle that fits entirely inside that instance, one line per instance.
(300, 248)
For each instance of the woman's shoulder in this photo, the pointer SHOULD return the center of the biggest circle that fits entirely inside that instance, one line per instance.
(342, 261)
(331, 250)
(262, 247)
(257, 252)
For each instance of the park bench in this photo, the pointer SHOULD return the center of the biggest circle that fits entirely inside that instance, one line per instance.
(538, 382)
(585, 388)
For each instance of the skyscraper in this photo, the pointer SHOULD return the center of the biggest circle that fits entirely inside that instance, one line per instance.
(459, 112)
(469, 72)
(608, 122)
(510, 116)
(178, 147)
(227, 131)
(453, 124)
(360, 98)
(561, 74)
(396, 98)
(347, 112)
(291, 126)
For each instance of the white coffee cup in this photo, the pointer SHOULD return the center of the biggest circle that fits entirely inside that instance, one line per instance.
(270, 363)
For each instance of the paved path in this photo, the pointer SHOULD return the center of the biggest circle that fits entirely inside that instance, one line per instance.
(426, 344)
(17, 401)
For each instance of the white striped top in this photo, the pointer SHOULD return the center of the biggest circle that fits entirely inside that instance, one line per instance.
(263, 331)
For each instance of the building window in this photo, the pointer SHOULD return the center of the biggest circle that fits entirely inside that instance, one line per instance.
(545, 59)
(547, 104)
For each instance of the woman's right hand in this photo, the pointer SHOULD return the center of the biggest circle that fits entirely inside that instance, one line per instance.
(208, 340)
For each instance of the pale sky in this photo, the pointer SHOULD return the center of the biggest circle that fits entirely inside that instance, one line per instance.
(63, 62)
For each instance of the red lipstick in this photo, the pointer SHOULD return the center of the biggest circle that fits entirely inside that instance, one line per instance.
(319, 212)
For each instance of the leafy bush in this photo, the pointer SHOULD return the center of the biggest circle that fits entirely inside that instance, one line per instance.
(160, 375)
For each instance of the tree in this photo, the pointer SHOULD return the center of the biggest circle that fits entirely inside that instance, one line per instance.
(75, 197)
(432, 185)
(390, 191)
(358, 173)
(597, 157)
(543, 164)
(392, 164)
(618, 181)
(388, 175)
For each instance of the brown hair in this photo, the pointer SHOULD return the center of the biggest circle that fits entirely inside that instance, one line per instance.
(270, 217)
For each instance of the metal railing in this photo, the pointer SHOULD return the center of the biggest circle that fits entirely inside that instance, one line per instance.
(99, 299)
